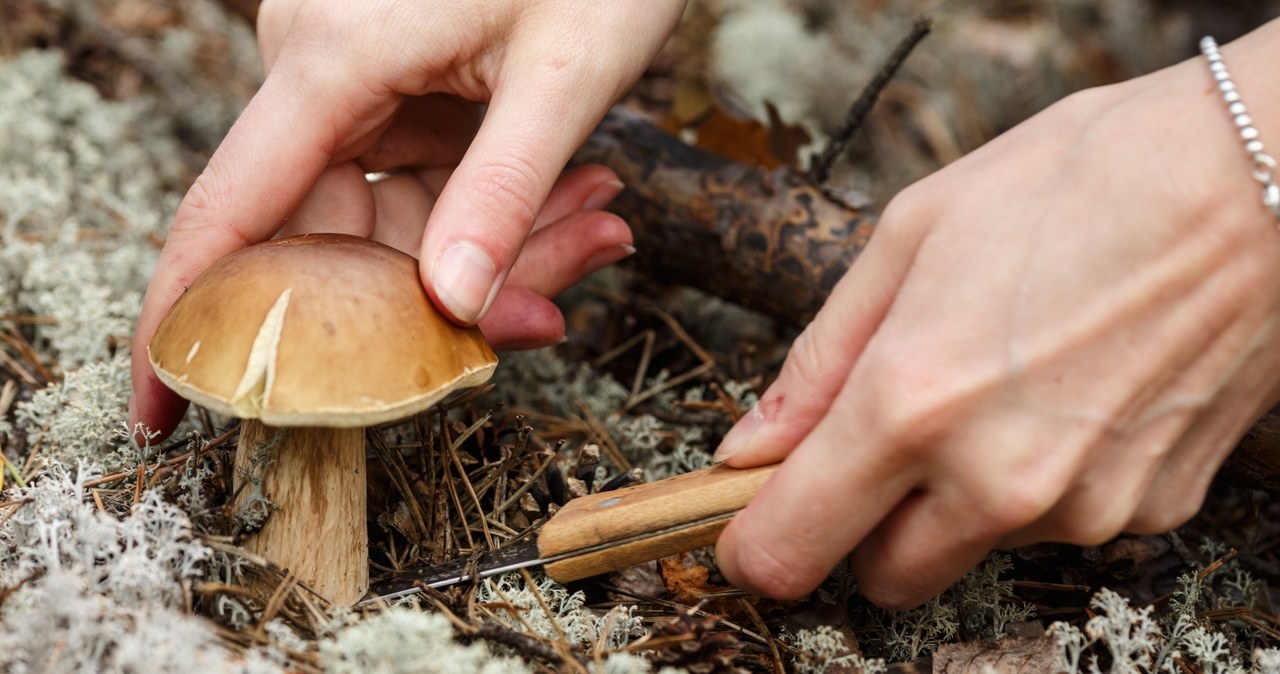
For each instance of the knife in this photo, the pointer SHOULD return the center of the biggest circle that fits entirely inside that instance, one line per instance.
(605, 532)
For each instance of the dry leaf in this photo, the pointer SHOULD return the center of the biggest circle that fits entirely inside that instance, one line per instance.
(730, 133)
(1010, 655)
(686, 581)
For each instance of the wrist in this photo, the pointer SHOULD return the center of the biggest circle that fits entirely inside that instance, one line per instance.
(1195, 138)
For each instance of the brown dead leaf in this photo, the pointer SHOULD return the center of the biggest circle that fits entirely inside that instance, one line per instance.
(638, 580)
(730, 133)
(687, 581)
(747, 140)
(401, 519)
(1010, 655)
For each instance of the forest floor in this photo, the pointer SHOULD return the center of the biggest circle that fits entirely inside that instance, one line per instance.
(116, 557)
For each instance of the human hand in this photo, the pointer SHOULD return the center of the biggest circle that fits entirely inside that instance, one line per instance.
(1057, 338)
(373, 86)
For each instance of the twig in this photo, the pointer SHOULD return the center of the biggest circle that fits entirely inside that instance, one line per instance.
(820, 170)
(693, 610)
(5, 593)
(97, 500)
(446, 446)
(764, 630)
(466, 482)
(475, 499)
(1217, 564)
(561, 647)
(137, 486)
(17, 369)
(13, 509)
(524, 488)
(708, 361)
(396, 471)
(170, 463)
(542, 602)
(20, 344)
(522, 643)
(599, 433)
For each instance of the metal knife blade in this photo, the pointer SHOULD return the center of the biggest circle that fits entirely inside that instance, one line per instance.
(605, 532)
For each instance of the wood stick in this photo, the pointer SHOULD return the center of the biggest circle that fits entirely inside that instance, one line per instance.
(770, 240)
(773, 241)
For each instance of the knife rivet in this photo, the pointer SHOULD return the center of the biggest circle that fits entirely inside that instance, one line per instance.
(609, 502)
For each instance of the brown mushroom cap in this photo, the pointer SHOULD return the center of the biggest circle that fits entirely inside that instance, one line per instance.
(315, 330)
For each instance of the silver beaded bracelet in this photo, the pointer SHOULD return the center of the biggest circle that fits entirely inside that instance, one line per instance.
(1264, 165)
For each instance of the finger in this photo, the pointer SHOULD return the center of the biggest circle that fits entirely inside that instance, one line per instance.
(522, 319)
(823, 355)
(258, 175)
(787, 540)
(1179, 486)
(274, 18)
(585, 188)
(535, 121)
(980, 485)
(823, 500)
(562, 253)
(340, 202)
(1101, 502)
(893, 574)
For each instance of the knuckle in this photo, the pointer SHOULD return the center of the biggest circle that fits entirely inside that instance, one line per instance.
(899, 579)
(891, 595)
(201, 203)
(772, 575)
(913, 409)
(1165, 514)
(1094, 526)
(508, 190)
(911, 207)
(805, 360)
(200, 214)
(1011, 505)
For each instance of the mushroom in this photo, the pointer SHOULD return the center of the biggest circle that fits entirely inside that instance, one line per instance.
(309, 340)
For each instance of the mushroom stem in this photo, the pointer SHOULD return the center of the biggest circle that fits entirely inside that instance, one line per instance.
(316, 481)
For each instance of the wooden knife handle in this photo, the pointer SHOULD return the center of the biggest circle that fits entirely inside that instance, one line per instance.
(647, 521)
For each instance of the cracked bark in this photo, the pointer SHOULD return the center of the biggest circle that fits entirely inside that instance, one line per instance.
(773, 241)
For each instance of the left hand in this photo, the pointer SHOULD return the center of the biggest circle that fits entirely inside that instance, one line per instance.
(1057, 338)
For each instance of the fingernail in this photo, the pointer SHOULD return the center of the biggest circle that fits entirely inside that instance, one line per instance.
(465, 279)
(738, 436)
(602, 195)
(607, 257)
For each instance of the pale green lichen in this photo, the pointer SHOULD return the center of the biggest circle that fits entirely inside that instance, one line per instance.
(824, 649)
(82, 417)
(569, 619)
(82, 189)
(98, 592)
(1134, 643)
(983, 598)
(405, 641)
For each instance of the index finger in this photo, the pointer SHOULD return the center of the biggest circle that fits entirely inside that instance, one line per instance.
(258, 175)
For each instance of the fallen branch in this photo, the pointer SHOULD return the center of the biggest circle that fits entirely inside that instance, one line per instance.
(773, 241)
(770, 240)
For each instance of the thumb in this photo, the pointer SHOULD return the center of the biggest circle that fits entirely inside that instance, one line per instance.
(822, 357)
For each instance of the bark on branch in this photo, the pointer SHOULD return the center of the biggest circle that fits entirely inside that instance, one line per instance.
(773, 241)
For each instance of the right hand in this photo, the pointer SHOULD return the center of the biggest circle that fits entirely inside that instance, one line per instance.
(370, 86)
